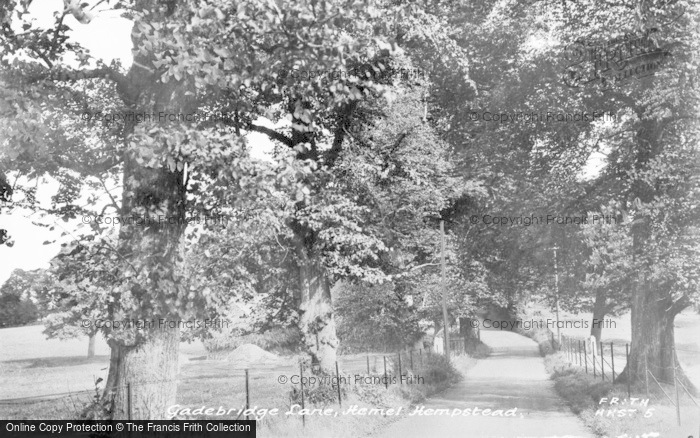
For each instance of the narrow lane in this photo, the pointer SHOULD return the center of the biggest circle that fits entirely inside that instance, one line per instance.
(513, 376)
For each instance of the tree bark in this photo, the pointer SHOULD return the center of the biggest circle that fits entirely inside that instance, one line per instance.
(653, 309)
(316, 315)
(146, 365)
(91, 346)
(141, 382)
(142, 377)
(468, 330)
(316, 322)
(653, 341)
(465, 328)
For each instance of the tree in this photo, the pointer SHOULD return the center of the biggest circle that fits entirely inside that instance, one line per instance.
(400, 170)
(374, 219)
(375, 317)
(72, 292)
(572, 43)
(189, 58)
(5, 196)
(608, 265)
(16, 305)
(652, 144)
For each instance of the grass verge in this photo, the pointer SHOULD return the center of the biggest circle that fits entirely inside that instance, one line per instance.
(368, 407)
(594, 402)
(215, 388)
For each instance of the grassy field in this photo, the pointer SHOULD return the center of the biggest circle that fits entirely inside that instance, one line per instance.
(32, 365)
(36, 368)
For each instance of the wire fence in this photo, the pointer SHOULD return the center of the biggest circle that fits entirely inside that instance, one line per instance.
(386, 366)
(602, 359)
(606, 360)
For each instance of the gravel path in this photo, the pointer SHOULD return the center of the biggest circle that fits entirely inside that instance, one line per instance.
(513, 376)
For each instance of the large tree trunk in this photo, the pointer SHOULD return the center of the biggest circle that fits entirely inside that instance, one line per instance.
(653, 308)
(468, 327)
(316, 319)
(91, 346)
(143, 366)
(599, 311)
(468, 330)
(316, 322)
(653, 340)
(143, 363)
(142, 377)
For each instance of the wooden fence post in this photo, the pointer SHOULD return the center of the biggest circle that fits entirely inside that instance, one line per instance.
(572, 357)
(646, 373)
(629, 370)
(400, 367)
(579, 353)
(593, 360)
(386, 380)
(675, 383)
(337, 376)
(247, 394)
(301, 385)
(128, 400)
(612, 361)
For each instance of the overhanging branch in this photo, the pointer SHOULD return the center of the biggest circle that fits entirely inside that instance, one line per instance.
(274, 135)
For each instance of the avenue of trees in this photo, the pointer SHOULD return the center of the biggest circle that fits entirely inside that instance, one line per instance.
(372, 104)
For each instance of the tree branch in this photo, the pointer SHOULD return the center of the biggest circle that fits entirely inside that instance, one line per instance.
(423, 265)
(274, 135)
(114, 202)
(344, 122)
(394, 277)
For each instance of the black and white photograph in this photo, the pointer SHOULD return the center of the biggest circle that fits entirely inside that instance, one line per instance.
(350, 218)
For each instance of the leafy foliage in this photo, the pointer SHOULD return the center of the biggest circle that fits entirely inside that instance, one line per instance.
(16, 305)
(375, 318)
